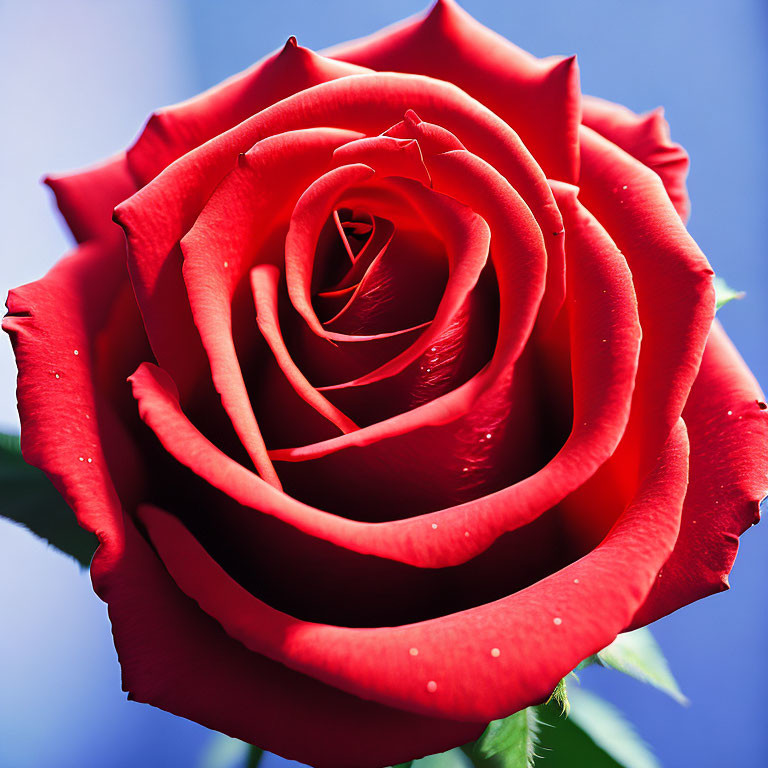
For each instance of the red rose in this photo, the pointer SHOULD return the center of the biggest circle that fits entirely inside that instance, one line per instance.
(425, 406)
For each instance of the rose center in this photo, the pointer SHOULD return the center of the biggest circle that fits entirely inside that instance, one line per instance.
(372, 277)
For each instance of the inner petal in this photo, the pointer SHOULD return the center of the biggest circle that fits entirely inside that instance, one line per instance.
(344, 238)
(376, 277)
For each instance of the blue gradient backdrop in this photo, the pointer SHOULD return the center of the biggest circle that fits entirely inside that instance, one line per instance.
(77, 80)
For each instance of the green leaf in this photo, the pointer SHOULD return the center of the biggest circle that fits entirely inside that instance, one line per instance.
(29, 498)
(596, 735)
(638, 655)
(724, 293)
(507, 743)
(453, 758)
(226, 752)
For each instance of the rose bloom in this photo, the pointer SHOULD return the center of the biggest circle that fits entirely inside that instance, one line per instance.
(394, 395)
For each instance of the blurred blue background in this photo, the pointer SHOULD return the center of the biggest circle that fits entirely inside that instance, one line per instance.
(78, 78)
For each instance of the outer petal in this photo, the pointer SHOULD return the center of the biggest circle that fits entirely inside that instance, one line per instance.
(447, 667)
(174, 131)
(645, 137)
(86, 199)
(728, 427)
(71, 421)
(175, 657)
(673, 283)
(539, 98)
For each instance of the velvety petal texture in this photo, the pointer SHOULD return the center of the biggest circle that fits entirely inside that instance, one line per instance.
(395, 394)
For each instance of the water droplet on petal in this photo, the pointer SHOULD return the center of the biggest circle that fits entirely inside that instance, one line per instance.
(226, 264)
(575, 581)
(57, 376)
(466, 533)
(90, 460)
(80, 458)
(77, 352)
(414, 651)
(730, 413)
(495, 652)
(431, 686)
(557, 621)
(434, 525)
(487, 435)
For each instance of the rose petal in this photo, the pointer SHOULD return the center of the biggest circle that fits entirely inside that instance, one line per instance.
(65, 376)
(91, 456)
(366, 103)
(596, 264)
(673, 283)
(541, 632)
(645, 137)
(539, 98)
(605, 344)
(265, 280)
(728, 429)
(86, 198)
(400, 290)
(216, 257)
(173, 131)
(434, 140)
(170, 651)
(465, 233)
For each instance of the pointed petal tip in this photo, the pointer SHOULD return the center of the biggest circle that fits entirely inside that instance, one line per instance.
(412, 118)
